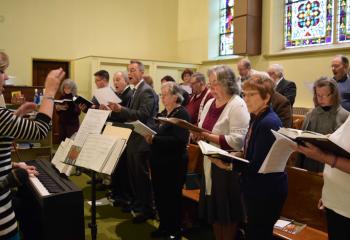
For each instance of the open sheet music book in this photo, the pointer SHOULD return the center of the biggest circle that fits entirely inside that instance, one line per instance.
(100, 152)
(60, 156)
(327, 143)
(181, 123)
(212, 151)
(141, 128)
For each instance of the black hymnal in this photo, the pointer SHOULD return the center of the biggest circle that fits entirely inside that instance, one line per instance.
(317, 139)
(81, 100)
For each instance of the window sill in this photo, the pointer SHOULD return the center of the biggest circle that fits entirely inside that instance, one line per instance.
(336, 48)
(222, 59)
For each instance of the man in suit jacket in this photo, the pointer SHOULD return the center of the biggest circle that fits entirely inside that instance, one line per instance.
(143, 107)
(122, 87)
(281, 106)
(120, 185)
(283, 86)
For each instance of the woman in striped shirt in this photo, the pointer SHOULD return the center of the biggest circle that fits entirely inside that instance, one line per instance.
(12, 125)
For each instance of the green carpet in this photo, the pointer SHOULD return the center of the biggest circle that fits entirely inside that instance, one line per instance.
(113, 224)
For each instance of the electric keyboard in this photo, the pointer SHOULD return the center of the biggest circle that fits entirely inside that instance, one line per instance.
(50, 207)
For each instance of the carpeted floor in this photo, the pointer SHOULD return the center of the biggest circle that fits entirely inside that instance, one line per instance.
(113, 224)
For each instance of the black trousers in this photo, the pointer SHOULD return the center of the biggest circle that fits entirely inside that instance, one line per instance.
(262, 214)
(167, 182)
(338, 226)
(120, 181)
(140, 182)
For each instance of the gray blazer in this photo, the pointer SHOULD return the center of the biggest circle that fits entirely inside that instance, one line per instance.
(144, 107)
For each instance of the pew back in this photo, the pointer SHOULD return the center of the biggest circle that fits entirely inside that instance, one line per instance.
(304, 192)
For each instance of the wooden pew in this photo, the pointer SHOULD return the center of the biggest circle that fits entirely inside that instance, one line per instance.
(191, 196)
(298, 121)
(304, 192)
(195, 159)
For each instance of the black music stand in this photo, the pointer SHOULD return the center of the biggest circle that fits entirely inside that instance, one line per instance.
(93, 224)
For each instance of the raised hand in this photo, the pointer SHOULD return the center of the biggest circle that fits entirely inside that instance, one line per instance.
(53, 81)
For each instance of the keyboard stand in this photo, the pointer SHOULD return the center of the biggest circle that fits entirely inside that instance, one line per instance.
(93, 224)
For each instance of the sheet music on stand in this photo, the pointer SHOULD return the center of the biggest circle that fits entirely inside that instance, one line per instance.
(93, 123)
(100, 152)
(60, 156)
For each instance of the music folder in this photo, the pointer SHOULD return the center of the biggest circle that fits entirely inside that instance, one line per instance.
(181, 123)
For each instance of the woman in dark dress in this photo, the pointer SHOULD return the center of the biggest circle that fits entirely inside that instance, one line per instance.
(169, 163)
(263, 194)
(68, 112)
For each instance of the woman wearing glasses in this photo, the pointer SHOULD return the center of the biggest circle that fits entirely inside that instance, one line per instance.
(263, 194)
(227, 118)
(325, 118)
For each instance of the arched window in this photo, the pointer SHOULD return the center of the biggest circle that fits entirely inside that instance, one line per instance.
(308, 23)
(226, 28)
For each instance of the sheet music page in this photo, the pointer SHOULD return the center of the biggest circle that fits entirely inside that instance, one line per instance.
(341, 135)
(121, 132)
(95, 151)
(60, 156)
(93, 123)
(113, 159)
(278, 155)
(141, 128)
(207, 148)
(105, 95)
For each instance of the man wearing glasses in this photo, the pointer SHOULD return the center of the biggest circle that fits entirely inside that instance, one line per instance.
(200, 96)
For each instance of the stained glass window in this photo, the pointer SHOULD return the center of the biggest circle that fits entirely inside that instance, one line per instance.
(226, 27)
(344, 21)
(308, 23)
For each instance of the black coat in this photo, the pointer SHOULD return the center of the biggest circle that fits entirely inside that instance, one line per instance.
(287, 89)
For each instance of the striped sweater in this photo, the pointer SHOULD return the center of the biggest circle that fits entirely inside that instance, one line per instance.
(19, 128)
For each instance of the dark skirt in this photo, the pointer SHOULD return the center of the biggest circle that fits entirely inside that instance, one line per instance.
(224, 205)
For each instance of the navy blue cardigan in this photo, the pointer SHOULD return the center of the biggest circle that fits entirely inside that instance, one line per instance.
(260, 142)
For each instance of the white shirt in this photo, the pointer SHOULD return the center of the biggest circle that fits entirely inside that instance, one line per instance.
(336, 188)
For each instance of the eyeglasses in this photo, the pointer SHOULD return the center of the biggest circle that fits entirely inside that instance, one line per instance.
(323, 96)
(249, 94)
